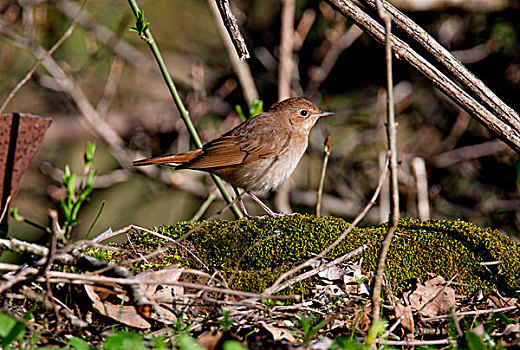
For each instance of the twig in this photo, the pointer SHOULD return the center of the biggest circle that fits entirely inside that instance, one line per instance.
(326, 155)
(309, 262)
(321, 268)
(319, 74)
(240, 67)
(457, 130)
(31, 71)
(285, 66)
(121, 48)
(384, 198)
(58, 276)
(453, 65)
(6, 207)
(392, 146)
(473, 313)
(180, 105)
(461, 154)
(82, 261)
(232, 28)
(303, 27)
(414, 343)
(205, 205)
(30, 294)
(421, 182)
(508, 132)
(116, 68)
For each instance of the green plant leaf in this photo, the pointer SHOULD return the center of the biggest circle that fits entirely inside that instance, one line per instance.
(80, 344)
(188, 343)
(474, 341)
(125, 341)
(257, 107)
(240, 113)
(10, 329)
(233, 345)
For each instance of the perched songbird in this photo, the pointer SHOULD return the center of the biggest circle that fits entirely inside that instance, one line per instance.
(257, 155)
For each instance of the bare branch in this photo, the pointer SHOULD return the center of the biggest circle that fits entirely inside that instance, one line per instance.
(394, 185)
(240, 67)
(508, 132)
(285, 68)
(232, 28)
(453, 65)
(421, 181)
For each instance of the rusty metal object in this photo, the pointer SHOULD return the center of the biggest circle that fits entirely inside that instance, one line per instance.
(20, 137)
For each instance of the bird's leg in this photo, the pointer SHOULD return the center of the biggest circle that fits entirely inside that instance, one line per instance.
(265, 207)
(241, 203)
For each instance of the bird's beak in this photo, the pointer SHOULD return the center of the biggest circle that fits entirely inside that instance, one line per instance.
(323, 114)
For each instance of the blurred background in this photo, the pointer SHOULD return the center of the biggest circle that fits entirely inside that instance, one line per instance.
(469, 174)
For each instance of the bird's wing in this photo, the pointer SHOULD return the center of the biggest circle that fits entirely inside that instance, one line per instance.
(229, 150)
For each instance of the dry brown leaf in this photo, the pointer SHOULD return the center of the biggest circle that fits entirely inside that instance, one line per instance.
(210, 340)
(278, 333)
(125, 314)
(407, 317)
(432, 298)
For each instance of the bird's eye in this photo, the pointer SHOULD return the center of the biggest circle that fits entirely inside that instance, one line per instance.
(304, 112)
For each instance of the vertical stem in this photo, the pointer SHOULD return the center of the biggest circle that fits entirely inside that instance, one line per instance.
(286, 50)
(326, 155)
(421, 183)
(204, 206)
(392, 145)
(180, 105)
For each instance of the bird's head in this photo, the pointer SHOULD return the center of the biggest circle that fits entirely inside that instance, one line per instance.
(299, 113)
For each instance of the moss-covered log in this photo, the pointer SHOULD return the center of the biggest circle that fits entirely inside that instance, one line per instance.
(267, 247)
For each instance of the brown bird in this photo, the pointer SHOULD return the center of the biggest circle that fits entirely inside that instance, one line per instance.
(257, 155)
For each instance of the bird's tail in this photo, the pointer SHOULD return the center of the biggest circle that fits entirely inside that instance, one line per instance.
(171, 159)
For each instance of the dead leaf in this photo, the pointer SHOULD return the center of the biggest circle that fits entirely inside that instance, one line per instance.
(332, 273)
(432, 298)
(125, 314)
(405, 312)
(278, 333)
(210, 340)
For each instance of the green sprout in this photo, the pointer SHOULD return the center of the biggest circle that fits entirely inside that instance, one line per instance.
(77, 195)
(256, 108)
(141, 25)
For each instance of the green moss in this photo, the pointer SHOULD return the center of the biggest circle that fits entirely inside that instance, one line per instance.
(255, 252)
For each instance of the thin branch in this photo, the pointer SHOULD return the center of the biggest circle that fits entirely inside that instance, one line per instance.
(285, 66)
(508, 132)
(326, 155)
(74, 278)
(116, 68)
(274, 287)
(180, 106)
(321, 268)
(453, 65)
(121, 48)
(394, 189)
(231, 25)
(36, 64)
(319, 74)
(421, 182)
(472, 313)
(240, 67)
(465, 153)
